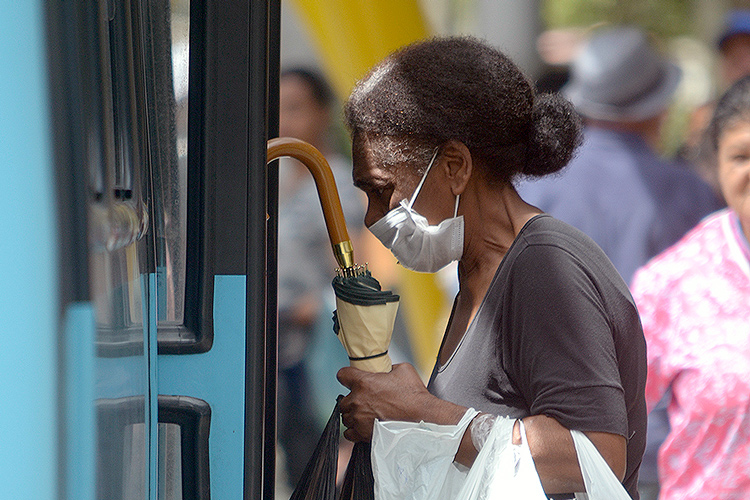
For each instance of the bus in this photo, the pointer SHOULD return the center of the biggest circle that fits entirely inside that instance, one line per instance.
(139, 249)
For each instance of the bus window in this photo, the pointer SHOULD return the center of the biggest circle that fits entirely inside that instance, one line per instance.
(170, 46)
(121, 448)
(170, 462)
(174, 40)
(184, 424)
(119, 215)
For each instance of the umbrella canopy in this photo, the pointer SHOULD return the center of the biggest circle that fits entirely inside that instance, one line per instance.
(364, 319)
(363, 322)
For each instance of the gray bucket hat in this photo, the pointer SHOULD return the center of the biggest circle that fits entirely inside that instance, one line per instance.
(618, 76)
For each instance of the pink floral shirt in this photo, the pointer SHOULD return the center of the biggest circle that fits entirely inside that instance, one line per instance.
(694, 301)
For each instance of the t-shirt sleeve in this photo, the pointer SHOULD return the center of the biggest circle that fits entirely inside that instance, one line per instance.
(561, 350)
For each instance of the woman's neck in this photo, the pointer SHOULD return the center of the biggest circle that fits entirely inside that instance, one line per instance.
(492, 220)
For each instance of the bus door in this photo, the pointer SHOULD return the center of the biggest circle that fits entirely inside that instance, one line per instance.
(161, 118)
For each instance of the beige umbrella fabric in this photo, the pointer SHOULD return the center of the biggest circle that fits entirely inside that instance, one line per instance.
(364, 320)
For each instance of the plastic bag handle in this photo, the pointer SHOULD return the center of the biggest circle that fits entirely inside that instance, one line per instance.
(601, 483)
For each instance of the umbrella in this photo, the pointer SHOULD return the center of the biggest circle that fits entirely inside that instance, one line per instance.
(364, 319)
(363, 322)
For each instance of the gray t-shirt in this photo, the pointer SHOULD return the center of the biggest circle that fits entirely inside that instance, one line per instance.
(557, 334)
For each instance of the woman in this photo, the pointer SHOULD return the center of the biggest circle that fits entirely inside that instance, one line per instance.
(694, 301)
(543, 328)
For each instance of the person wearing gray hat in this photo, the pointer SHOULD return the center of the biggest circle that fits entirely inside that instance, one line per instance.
(617, 189)
(734, 47)
(618, 76)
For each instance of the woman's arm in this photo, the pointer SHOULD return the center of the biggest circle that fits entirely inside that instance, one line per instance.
(401, 395)
(554, 453)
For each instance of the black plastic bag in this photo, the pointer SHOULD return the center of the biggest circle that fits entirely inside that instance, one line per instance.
(318, 481)
(359, 483)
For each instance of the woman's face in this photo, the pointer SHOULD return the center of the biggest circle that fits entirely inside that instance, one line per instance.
(734, 169)
(385, 186)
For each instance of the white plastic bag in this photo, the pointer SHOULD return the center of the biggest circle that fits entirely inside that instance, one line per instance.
(601, 483)
(503, 469)
(415, 461)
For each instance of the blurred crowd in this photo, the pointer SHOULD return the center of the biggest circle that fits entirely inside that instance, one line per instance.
(650, 214)
(676, 228)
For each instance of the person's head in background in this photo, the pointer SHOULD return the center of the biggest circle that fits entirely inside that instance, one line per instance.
(619, 80)
(734, 47)
(729, 135)
(305, 101)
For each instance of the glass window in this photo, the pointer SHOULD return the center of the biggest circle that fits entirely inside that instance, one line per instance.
(118, 214)
(184, 427)
(121, 458)
(170, 45)
(170, 462)
(133, 471)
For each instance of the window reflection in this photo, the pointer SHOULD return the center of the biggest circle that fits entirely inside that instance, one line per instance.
(183, 463)
(170, 45)
(170, 462)
(134, 452)
(121, 449)
(118, 216)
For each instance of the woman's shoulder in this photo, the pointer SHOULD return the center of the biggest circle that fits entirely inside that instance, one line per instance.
(557, 236)
(693, 255)
(547, 243)
(545, 229)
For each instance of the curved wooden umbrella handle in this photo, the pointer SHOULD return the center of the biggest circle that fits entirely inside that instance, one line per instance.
(327, 192)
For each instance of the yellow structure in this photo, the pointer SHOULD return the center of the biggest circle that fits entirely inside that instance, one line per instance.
(352, 36)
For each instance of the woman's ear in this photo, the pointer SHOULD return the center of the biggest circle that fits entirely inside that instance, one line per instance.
(457, 162)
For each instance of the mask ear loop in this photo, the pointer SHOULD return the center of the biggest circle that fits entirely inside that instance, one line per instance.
(419, 186)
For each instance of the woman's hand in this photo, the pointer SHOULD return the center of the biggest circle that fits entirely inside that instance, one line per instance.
(396, 395)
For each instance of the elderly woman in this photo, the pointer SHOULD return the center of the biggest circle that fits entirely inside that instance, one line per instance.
(694, 300)
(543, 328)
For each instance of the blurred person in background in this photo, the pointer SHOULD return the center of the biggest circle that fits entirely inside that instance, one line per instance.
(617, 189)
(694, 302)
(557, 48)
(734, 47)
(305, 261)
(733, 63)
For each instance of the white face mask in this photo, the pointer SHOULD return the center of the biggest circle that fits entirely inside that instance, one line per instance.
(416, 244)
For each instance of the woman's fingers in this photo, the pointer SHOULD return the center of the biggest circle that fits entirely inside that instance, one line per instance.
(348, 376)
(357, 429)
(385, 396)
(352, 436)
(347, 419)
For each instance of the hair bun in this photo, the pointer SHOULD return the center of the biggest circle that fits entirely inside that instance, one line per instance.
(554, 135)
